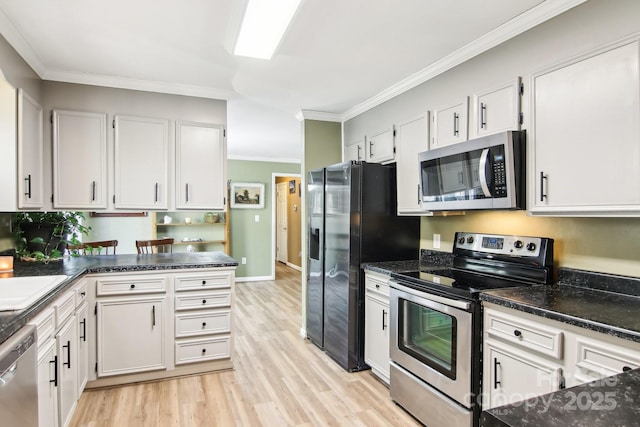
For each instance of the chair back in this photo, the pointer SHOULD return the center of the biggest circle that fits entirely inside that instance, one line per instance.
(155, 246)
(94, 248)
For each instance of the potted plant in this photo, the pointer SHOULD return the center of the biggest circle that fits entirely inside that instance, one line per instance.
(43, 236)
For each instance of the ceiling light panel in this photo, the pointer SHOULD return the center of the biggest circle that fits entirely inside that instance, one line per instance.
(263, 26)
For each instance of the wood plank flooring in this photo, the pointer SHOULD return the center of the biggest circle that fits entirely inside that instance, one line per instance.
(279, 379)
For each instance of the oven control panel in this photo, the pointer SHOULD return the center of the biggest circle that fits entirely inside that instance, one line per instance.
(499, 244)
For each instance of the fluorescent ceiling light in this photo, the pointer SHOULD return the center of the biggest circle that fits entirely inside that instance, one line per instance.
(263, 26)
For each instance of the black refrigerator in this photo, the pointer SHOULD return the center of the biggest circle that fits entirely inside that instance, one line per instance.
(352, 219)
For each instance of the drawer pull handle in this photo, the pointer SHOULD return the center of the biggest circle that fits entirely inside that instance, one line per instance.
(153, 315)
(68, 362)
(83, 293)
(384, 315)
(517, 333)
(132, 286)
(626, 368)
(55, 371)
(204, 282)
(204, 301)
(496, 383)
(204, 350)
(83, 337)
(204, 324)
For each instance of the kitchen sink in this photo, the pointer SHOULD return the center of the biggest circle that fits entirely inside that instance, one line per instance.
(18, 293)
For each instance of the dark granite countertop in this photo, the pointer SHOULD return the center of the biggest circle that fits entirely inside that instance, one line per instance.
(610, 402)
(601, 311)
(75, 267)
(388, 267)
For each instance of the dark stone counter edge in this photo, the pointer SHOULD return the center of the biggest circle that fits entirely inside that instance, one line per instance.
(565, 318)
(17, 320)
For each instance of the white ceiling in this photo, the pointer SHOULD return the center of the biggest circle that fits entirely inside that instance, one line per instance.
(338, 56)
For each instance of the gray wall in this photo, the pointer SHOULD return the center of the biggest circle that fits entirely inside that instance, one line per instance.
(580, 242)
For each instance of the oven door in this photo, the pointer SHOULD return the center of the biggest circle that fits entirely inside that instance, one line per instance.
(431, 337)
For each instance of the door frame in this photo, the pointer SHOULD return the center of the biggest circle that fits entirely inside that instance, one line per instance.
(282, 244)
(274, 224)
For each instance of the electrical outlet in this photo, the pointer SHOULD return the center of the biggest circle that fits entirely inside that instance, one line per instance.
(436, 241)
(244, 259)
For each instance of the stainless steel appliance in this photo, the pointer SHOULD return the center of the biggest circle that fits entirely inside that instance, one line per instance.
(352, 219)
(18, 380)
(436, 323)
(484, 173)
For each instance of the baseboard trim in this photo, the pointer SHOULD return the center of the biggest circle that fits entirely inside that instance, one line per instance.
(303, 333)
(295, 267)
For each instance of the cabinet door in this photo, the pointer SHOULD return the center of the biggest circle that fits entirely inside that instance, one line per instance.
(82, 317)
(131, 335)
(355, 151)
(8, 175)
(67, 348)
(586, 134)
(380, 146)
(30, 153)
(141, 162)
(376, 342)
(497, 109)
(450, 123)
(48, 385)
(412, 139)
(511, 376)
(79, 160)
(200, 166)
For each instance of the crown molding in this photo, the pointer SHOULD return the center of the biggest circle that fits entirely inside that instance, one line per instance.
(15, 39)
(518, 25)
(318, 115)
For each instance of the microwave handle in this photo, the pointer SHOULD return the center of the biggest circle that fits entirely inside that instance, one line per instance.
(482, 172)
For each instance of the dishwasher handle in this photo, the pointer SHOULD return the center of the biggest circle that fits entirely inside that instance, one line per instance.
(12, 349)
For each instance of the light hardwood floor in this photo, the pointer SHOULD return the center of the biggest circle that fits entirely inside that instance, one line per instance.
(279, 379)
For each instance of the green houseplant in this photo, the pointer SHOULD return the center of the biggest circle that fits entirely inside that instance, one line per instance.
(44, 236)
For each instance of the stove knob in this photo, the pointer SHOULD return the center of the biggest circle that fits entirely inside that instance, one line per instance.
(461, 240)
(531, 246)
(470, 239)
(518, 244)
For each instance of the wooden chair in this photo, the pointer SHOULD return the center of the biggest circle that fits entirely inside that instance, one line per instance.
(94, 248)
(155, 246)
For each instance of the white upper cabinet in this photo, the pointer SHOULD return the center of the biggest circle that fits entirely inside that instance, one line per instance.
(30, 153)
(450, 123)
(79, 160)
(200, 166)
(8, 199)
(496, 109)
(380, 146)
(141, 162)
(586, 135)
(412, 138)
(355, 151)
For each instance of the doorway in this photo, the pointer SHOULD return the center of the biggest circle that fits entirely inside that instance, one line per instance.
(287, 221)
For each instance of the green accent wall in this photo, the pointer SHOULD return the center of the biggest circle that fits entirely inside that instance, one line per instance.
(322, 144)
(249, 238)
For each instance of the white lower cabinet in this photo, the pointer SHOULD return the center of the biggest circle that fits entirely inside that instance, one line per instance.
(66, 347)
(47, 370)
(525, 355)
(376, 324)
(130, 335)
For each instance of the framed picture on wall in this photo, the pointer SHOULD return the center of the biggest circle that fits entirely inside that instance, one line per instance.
(292, 186)
(247, 195)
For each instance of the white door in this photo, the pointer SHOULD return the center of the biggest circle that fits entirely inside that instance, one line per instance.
(281, 222)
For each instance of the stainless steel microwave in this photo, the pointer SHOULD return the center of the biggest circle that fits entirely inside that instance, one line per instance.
(483, 173)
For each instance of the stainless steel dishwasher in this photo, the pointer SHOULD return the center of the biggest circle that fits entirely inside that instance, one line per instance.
(18, 380)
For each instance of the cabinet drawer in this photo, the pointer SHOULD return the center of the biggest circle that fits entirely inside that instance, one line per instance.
(203, 300)
(45, 325)
(192, 351)
(193, 282)
(131, 285)
(525, 333)
(81, 292)
(597, 360)
(202, 323)
(377, 286)
(64, 308)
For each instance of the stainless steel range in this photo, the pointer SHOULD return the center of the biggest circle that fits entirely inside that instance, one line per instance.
(436, 330)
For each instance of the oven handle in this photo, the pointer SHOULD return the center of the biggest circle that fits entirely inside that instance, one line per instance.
(464, 305)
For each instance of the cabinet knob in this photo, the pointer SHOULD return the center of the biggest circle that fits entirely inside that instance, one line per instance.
(626, 368)
(204, 301)
(204, 324)
(517, 333)
(132, 286)
(204, 282)
(204, 350)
